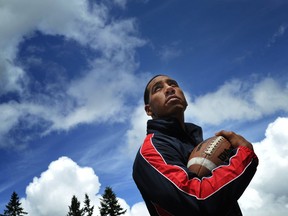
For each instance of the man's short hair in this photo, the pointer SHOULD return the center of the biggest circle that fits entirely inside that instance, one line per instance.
(146, 92)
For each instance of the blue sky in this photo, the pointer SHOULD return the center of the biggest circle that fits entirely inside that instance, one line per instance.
(71, 84)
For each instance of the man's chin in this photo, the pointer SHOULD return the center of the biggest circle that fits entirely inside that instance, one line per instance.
(174, 111)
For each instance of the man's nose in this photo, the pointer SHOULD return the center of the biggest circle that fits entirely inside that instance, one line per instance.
(169, 90)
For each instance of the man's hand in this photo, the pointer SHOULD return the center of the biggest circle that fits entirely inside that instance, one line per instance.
(235, 139)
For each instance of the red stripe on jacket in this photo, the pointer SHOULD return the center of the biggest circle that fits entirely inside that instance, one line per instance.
(200, 189)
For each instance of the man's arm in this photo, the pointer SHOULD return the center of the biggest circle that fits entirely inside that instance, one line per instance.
(170, 187)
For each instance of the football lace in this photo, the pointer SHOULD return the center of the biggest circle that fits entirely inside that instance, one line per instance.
(213, 145)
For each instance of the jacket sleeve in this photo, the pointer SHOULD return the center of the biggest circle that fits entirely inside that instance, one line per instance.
(178, 191)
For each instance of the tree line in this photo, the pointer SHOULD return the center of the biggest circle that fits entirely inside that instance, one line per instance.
(109, 206)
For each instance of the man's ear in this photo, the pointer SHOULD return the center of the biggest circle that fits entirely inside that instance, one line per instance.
(148, 110)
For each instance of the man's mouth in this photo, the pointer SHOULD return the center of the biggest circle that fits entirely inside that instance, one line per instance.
(172, 98)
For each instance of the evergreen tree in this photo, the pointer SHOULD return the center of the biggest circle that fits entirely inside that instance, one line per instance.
(109, 204)
(74, 209)
(13, 208)
(87, 209)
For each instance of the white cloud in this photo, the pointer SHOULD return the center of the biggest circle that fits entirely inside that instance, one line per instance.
(102, 92)
(239, 100)
(9, 117)
(136, 134)
(269, 96)
(101, 96)
(139, 209)
(267, 194)
(24, 17)
(51, 193)
(11, 75)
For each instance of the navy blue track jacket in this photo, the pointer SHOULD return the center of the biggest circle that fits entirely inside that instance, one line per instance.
(169, 188)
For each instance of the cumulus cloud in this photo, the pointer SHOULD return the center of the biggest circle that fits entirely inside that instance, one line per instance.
(239, 100)
(51, 193)
(267, 194)
(98, 94)
(139, 209)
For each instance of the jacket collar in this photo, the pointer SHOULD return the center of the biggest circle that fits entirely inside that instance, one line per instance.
(171, 127)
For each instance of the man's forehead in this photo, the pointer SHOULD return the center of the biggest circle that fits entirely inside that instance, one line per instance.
(157, 80)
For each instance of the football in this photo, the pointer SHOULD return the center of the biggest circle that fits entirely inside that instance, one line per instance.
(208, 155)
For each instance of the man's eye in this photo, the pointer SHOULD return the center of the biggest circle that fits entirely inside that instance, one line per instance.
(156, 88)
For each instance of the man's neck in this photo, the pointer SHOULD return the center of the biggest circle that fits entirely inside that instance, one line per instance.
(180, 118)
(182, 123)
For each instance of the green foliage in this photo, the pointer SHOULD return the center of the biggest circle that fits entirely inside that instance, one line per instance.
(87, 209)
(13, 208)
(74, 209)
(109, 204)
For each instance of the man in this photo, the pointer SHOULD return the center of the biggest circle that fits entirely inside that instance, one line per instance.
(160, 172)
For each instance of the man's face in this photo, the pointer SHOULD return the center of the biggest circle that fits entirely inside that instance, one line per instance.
(166, 99)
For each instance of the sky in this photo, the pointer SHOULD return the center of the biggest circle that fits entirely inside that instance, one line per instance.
(72, 77)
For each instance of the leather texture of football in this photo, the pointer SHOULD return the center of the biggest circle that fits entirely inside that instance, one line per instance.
(208, 155)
